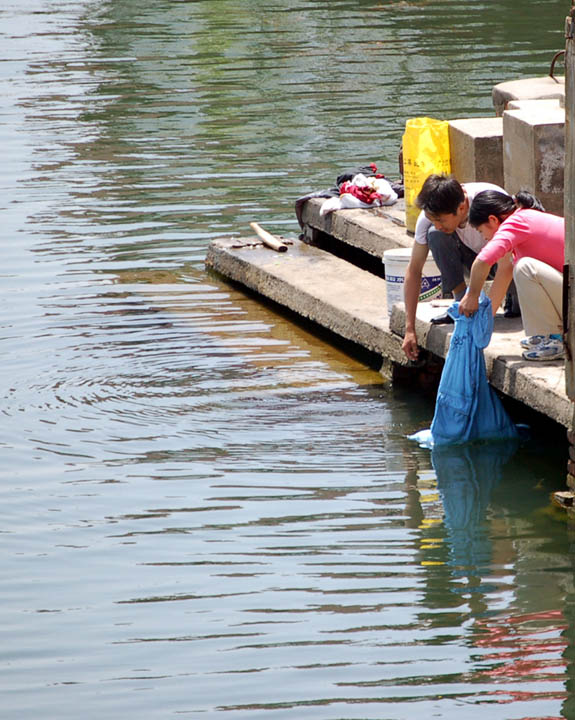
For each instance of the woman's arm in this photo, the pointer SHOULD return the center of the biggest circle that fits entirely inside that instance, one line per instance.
(501, 281)
(479, 272)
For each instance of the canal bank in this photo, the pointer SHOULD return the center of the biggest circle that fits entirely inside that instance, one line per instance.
(351, 302)
(334, 274)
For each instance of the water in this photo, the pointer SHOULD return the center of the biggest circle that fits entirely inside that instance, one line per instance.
(209, 510)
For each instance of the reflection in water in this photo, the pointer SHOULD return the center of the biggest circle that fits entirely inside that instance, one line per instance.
(479, 545)
(466, 478)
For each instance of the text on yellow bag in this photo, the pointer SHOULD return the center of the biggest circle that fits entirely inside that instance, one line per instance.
(425, 152)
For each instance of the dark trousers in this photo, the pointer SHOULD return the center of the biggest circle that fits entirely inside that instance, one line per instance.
(454, 261)
(452, 258)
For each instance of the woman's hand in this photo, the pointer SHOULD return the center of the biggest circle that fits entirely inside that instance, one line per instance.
(468, 304)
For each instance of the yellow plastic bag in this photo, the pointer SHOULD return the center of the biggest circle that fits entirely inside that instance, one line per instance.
(425, 152)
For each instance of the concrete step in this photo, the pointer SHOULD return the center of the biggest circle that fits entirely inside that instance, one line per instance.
(372, 231)
(316, 285)
(535, 88)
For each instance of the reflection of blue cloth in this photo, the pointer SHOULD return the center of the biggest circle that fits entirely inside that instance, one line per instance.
(467, 407)
(466, 477)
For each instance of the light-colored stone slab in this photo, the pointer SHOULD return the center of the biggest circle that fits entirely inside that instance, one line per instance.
(316, 285)
(374, 230)
(537, 88)
(534, 153)
(476, 148)
(535, 105)
(540, 386)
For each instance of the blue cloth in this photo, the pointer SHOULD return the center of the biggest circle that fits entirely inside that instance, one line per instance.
(467, 407)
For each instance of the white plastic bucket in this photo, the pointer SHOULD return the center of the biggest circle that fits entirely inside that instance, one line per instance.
(395, 262)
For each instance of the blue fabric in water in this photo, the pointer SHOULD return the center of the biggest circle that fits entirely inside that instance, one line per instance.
(466, 478)
(467, 407)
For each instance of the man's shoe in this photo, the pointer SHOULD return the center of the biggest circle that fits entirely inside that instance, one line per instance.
(511, 307)
(443, 319)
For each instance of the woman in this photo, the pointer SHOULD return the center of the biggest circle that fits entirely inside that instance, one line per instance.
(528, 245)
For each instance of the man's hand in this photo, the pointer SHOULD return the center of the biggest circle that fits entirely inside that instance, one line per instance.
(411, 289)
(468, 304)
(409, 345)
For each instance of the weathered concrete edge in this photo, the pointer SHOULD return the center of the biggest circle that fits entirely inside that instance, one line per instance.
(374, 337)
(369, 230)
(540, 386)
(513, 379)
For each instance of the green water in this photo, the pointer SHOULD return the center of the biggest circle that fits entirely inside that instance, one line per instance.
(208, 509)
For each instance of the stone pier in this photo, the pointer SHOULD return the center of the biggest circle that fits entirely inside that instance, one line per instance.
(333, 275)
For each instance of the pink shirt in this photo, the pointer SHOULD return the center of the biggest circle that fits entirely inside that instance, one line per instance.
(528, 233)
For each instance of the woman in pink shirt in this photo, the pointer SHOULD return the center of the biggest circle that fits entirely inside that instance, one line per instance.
(529, 246)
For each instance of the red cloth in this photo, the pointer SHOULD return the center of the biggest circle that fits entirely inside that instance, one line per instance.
(365, 194)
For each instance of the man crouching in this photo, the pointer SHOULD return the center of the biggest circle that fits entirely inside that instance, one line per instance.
(443, 228)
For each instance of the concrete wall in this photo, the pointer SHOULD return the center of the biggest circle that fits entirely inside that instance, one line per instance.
(522, 148)
(534, 151)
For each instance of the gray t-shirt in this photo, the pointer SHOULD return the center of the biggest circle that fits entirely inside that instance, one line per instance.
(469, 236)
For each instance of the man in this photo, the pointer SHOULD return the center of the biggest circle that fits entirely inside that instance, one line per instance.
(443, 228)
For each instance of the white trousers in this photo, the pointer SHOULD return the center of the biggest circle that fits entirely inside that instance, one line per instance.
(540, 293)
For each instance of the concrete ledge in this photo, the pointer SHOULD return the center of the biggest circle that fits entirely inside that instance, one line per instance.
(537, 88)
(373, 231)
(316, 285)
(476, 148)
(535, 105)
(351, 303)
(540, 386)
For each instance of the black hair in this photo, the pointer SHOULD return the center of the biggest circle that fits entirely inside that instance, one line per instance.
(493, 202)
(439, 195)
(524, 199)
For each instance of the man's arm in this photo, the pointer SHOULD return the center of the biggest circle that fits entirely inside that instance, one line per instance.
(411, 290)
